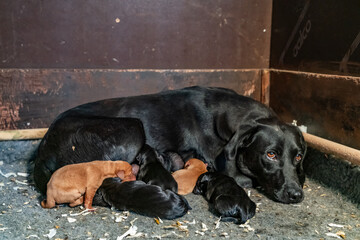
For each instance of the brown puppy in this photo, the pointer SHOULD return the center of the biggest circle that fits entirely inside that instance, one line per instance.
(76, 182)
(186, 178)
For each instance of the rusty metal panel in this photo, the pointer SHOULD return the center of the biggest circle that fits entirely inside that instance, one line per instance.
(141, 34)
(328, 105)
(316, 36)
(32, 98)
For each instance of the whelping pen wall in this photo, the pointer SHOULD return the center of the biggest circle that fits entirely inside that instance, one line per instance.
(300, 57)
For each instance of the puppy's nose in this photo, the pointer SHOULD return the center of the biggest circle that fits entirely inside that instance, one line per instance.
(295, 195)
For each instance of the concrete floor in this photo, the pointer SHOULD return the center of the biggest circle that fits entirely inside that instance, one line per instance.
(21, 216)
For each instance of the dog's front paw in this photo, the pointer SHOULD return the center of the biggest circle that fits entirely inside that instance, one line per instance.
(244, 181)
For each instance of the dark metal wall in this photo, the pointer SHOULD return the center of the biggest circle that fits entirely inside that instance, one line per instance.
(328, 105)
(316, 36)
(57, 54)
(32, 98)
(135, 34)
(315, 57)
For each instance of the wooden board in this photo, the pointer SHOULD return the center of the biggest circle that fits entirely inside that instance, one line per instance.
(32, 98)
(129, 34)
(328, 105)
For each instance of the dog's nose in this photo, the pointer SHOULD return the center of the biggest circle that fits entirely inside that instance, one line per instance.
(295, 195)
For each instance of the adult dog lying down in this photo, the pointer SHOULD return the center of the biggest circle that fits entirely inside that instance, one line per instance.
(235, 135)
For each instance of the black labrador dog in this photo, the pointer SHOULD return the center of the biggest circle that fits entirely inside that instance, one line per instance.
(235, 135)
(228, 199)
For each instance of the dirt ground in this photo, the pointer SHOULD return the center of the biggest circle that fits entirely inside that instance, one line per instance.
(323, 214)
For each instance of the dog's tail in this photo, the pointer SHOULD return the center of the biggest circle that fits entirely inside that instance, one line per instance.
(142, 198)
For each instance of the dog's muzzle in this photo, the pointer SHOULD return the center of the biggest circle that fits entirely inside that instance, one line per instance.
(289, 194)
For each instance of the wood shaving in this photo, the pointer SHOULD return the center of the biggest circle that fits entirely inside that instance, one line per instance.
(217, 223)
(171, 234)
(80, 213)
(191, 223)
(22, 174)
(138, 235)
(247, 227)
(132, 221)
(335, 225)
(204, 227)
(341, 234)
(71, 220)
(24, 182)
(120, 219)
(132, 231)
(200, 233)
(51, 234)
(332, 235)
(32, 236)
(7, 175)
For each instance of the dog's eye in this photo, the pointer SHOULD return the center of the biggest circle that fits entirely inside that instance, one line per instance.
(298, 157)
(271, 156)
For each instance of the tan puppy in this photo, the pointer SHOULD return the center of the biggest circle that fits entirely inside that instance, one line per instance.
(76, 182)
(186, 178)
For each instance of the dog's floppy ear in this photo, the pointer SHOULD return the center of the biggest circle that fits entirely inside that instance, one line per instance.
(240, 139)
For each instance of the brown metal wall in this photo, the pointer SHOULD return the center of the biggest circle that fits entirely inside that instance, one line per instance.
(32, 98)
(53, 53)
(328, 105)
(135, 34)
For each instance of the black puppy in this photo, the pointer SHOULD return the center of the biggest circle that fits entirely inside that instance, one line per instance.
(152, 170)
(139, 197)
(229, 200)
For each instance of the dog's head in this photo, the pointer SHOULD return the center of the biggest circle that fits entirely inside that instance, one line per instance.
(194, 163)
(271, 152)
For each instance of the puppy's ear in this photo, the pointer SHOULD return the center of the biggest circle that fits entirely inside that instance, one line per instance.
(201, 184)
(187, 164)
(240, 139)
(121, 174)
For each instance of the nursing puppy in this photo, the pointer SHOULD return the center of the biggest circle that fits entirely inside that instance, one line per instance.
(186, 178)
(229, 200)
(77, 183)
(142, 198)
(152, 171)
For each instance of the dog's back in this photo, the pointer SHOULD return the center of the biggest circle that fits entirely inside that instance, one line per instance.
(186, 178)
(142, 198)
